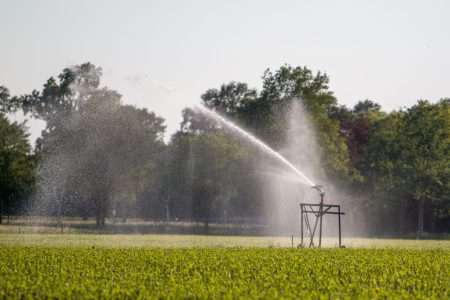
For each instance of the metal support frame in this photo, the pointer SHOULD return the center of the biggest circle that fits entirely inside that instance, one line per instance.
(311, 215)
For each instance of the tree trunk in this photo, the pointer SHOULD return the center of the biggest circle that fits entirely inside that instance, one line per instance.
(60, 216)
(1, 211)
(100, 211)
(168, 209)
(432, 218)
(402, 216)
(206, 226)
(420, 219)
(7, 208)
(100, 219)
(98, 214)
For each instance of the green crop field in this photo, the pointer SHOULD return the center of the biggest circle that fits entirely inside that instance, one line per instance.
(113, 267)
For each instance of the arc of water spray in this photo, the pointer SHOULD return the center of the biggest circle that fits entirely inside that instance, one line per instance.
(230, 125)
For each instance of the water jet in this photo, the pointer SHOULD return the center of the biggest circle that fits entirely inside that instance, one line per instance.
(311, 214)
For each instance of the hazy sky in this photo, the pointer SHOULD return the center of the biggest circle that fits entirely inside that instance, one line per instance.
(163, 54)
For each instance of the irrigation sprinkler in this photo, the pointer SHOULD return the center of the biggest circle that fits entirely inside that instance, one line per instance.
(311, 217)
(307, 209)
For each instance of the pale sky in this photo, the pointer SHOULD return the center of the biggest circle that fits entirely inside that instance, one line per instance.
(164, 54)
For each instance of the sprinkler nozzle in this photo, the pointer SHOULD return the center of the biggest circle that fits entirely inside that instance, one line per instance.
(320, 189)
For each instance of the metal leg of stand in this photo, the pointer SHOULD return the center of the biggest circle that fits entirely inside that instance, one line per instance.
(311, 221)
(320, 216)
(340, 235)
(301, 224)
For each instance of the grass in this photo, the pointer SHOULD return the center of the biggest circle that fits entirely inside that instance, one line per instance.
(37, 224)
(197, 241)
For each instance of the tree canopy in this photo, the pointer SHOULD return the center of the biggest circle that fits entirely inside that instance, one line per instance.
(16, 165)
(99, 157)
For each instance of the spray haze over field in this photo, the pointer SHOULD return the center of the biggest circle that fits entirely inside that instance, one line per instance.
(94, 171)
(283, 182)
(282, 174)
(240, 163)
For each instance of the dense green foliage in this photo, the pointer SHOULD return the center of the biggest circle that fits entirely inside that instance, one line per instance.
(16, 165)
(396, 164)
(89, 273)
(100, 158)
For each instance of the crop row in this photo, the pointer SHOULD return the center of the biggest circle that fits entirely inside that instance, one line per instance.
(88, 273)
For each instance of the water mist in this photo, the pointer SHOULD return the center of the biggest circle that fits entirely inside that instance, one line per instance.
(251, 138)
(284, 182)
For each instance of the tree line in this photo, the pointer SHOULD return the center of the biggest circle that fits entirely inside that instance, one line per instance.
(98, 157)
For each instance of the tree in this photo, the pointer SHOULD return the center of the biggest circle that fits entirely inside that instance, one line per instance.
(204, 171)
(93, 147)
(426, 153)
(408, 157)
(366, 107)
(74, 87)
(111, 150)
(264, 113)
(16, 165)
(231, 98)
(300, 84)
(383, 172)
(356, 125)
(4, 100)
